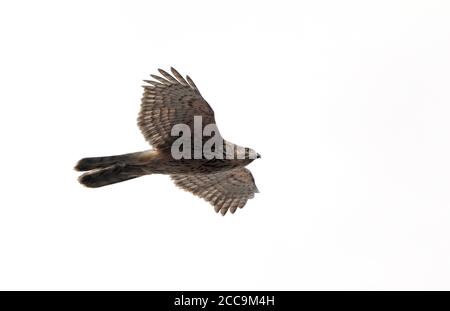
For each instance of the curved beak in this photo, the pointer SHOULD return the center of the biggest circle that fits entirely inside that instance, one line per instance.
(258, 156)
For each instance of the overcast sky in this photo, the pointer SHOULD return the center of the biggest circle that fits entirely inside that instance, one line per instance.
(346, 101)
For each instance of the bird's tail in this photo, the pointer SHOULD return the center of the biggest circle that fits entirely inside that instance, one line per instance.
(102, 171)
(109, 175)
(87, 164)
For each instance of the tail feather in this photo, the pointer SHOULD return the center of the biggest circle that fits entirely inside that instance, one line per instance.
(87, 164)
(107, 176)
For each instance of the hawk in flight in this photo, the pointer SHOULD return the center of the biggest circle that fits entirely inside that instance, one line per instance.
(213, 170)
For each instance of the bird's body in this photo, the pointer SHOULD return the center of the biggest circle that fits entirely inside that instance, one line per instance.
(216, 174)
(158, 162)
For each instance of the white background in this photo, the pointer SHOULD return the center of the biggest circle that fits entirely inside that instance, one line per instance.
(347, 101)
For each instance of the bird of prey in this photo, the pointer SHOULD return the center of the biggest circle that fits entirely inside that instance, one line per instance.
(206, 165)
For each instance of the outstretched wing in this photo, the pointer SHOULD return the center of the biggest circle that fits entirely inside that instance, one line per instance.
(168, 101)
(227, 190)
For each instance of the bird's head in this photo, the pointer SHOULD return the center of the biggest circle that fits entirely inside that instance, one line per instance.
(243, 155)
(247, 155)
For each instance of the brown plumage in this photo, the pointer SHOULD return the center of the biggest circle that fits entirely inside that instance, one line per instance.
(168, 101)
